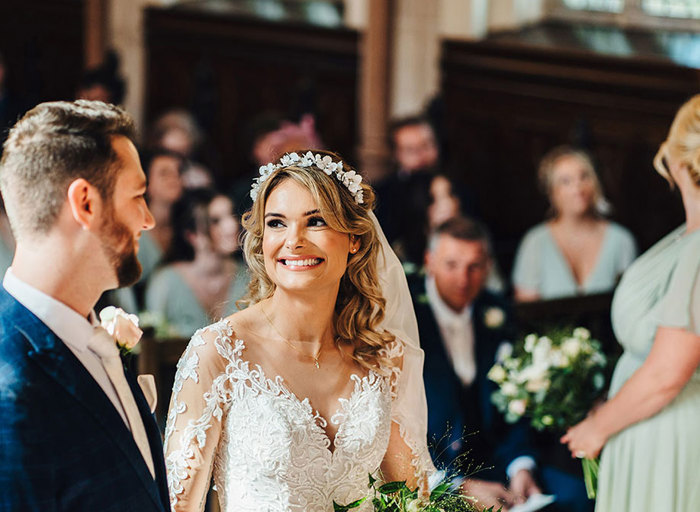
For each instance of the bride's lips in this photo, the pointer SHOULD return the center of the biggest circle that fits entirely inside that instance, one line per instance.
(303, 262)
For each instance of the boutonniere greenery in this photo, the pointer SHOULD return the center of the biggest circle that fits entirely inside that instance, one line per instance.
(494, 317)
(423, 299)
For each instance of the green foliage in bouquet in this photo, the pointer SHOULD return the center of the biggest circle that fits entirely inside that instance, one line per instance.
(553, 379)
(397, 497)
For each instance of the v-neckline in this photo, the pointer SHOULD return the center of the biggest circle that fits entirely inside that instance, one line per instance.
(580, 288)
(278, 387)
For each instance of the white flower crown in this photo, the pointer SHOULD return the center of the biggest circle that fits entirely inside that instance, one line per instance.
(350, 179)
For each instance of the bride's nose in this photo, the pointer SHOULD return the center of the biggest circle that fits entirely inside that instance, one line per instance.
(294, 239)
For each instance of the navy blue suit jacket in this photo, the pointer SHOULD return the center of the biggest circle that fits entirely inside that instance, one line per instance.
(462, 421)
(63, 445)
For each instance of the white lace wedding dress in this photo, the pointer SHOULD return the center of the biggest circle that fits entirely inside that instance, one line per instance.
(266, 448)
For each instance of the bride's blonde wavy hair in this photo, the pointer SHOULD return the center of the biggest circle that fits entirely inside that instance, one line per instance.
(360, 305)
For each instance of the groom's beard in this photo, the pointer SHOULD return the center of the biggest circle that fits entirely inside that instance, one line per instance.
(118, 243)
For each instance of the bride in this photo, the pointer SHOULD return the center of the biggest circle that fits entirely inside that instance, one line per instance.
(291, 403)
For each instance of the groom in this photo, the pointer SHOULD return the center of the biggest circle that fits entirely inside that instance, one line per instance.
(76, 433)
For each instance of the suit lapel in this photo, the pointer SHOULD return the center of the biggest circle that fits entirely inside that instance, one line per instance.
(56, 359)
(154, 438)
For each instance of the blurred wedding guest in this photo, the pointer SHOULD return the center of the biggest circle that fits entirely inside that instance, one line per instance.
(648, 429)
(203, 279)
(462, 325)
(178, 130)
(444, 202)
(163, 168)
(103, 83)
(270, 136)
(578, 251)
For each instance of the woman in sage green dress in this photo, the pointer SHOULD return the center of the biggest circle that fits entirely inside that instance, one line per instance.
(649, 425)
(204, 280)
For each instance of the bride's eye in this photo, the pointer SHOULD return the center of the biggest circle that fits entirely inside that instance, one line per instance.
(274, 223)
(317, 222)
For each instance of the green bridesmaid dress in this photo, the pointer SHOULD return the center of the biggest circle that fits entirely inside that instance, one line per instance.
(654, 465)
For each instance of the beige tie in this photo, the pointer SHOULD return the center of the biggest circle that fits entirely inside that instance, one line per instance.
(461, 350)
(103, 344)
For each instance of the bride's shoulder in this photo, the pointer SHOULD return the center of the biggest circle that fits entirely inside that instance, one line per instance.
(215, 345)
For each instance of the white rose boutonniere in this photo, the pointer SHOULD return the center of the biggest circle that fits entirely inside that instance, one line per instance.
(494, 317)
(123, 326)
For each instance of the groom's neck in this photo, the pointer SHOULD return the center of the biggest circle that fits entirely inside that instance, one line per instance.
(54, 269)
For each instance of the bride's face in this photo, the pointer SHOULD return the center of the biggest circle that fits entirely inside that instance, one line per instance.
(301, 252)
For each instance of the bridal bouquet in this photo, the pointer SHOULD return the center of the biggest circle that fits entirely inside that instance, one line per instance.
(397, 497)
(554, 380)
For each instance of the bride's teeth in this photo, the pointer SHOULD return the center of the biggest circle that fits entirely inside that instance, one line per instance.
(302, 263)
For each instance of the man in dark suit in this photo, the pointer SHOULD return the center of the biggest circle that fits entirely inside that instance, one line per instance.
(462, 326)
(76, 432)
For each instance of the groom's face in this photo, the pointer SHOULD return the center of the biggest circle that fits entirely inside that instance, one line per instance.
(126, 215)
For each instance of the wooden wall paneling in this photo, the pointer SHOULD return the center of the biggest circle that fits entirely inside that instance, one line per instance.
(42, 43)
(507, 103)
(252, 66)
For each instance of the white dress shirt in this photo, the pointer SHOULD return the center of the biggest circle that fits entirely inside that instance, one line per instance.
(72, 328)
(457, 331)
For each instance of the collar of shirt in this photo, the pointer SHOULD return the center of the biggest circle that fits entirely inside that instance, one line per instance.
(444, 314)
(73, 329)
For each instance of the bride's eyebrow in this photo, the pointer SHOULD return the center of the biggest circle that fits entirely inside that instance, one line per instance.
(306, 214)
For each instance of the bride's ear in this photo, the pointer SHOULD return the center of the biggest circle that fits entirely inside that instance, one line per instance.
(354, 244)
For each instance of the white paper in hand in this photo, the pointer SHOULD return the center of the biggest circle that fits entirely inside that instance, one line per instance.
(534, 502)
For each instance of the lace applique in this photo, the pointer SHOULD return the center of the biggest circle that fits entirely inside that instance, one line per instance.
(178, 461)
(273, 453)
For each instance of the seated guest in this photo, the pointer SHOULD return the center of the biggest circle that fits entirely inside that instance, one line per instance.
(461, 328)
(578, 251)
(403, 197)
(202, 281)
(163, 169)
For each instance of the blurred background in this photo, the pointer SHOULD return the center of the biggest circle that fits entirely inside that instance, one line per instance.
(502, 81)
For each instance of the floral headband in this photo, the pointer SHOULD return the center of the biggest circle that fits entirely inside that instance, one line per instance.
(350, 179)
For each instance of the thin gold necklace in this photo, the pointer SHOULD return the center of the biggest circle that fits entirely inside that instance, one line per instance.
(311, 356)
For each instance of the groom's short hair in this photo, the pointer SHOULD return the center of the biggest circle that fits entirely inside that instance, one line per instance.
(52, 145)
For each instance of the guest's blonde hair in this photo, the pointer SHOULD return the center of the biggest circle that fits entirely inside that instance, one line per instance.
(683, 141)
(548, 164)
(360, 306)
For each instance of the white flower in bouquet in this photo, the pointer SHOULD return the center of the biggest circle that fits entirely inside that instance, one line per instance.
(497, 374)
(571, 346)
(536, 371)
(582, 333)
(540, 354)
(509, 389)
(414, 506)
(558, 359)
(537, 385)
(530, 342)
(517, 407)
(505, 350)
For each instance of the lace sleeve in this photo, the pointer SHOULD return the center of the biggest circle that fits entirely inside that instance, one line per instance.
(408, 455)
(197, 407)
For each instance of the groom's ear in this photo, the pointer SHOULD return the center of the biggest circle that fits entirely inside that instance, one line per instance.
(84, 202)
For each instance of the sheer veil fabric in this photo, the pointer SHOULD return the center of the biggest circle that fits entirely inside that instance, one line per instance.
(411, 405)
